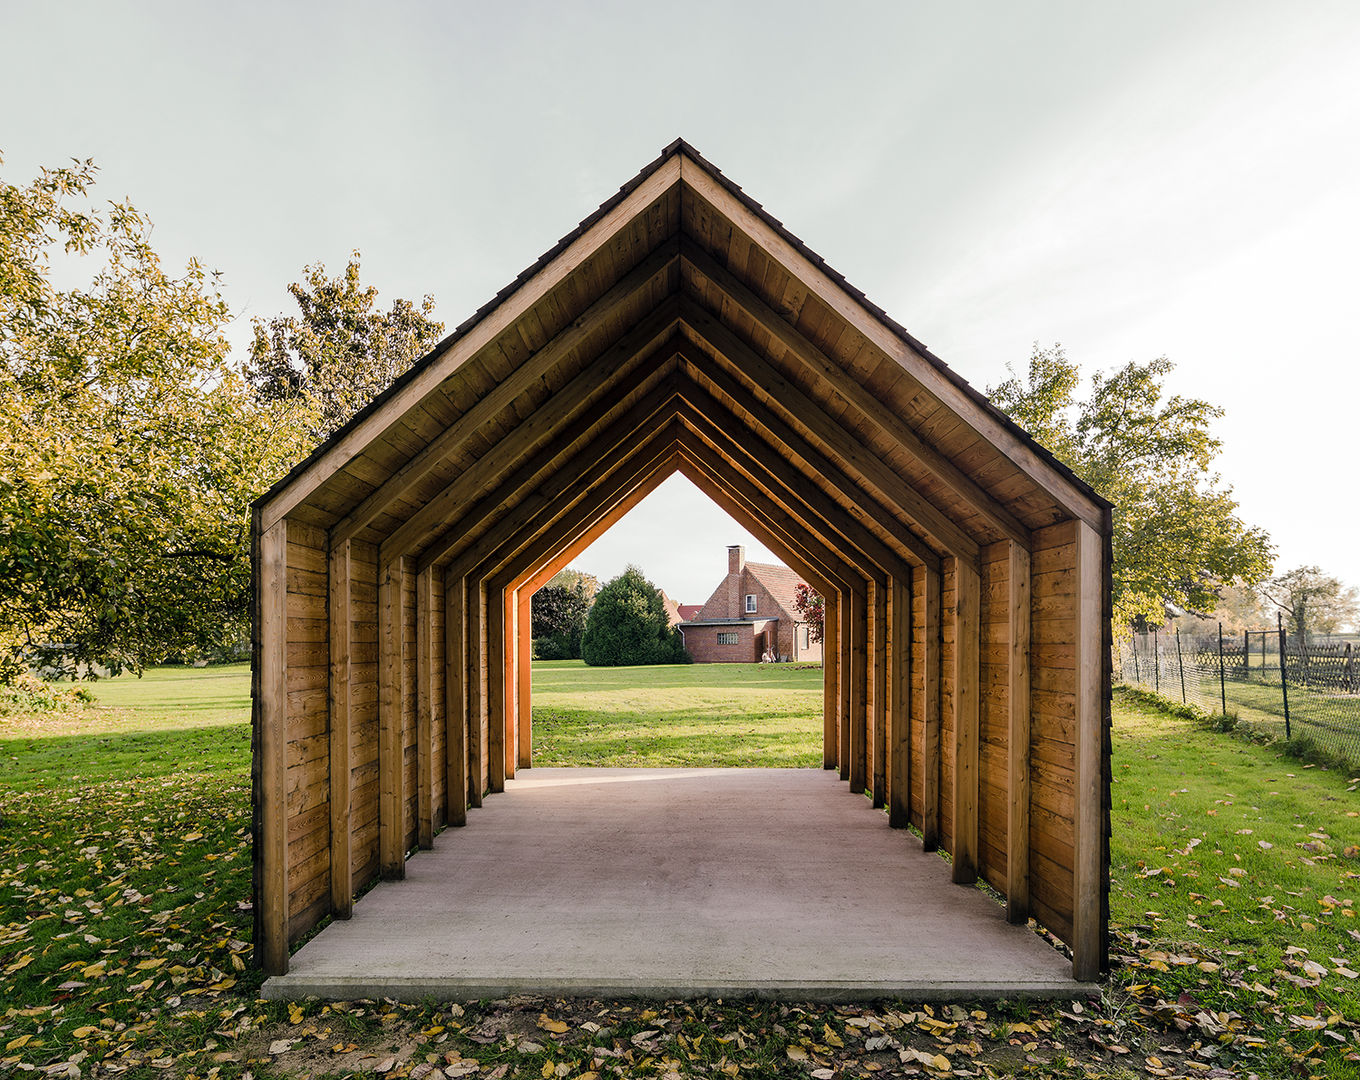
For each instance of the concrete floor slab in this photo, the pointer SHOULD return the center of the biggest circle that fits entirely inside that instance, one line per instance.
(671, 883)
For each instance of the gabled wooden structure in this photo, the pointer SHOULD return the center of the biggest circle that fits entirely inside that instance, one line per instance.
(681, 328)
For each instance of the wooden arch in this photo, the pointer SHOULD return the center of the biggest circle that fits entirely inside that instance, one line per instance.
(682, 329)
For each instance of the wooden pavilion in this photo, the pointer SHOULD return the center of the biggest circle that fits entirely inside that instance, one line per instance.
(681, 328)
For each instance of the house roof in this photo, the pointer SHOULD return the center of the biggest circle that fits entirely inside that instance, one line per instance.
(780, 582)
(688, 611)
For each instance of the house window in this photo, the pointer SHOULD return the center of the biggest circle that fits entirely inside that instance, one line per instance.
(750, 603)
(806, 641)
(725, 638)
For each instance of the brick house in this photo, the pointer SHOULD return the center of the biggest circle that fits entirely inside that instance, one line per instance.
(750, 611)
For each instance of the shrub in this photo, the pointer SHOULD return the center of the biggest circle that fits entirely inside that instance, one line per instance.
(30, 694)
(628, 625)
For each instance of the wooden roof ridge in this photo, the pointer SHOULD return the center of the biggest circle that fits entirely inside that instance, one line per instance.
(678, 149)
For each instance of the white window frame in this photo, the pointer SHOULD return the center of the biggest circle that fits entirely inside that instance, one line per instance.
(750, 603)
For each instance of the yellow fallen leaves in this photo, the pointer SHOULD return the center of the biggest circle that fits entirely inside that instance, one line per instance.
(150, 965)
(796, 1053)
(85, 1032)
(21, 1041)
(295, 1013)
(557, 1027)
(19, 964)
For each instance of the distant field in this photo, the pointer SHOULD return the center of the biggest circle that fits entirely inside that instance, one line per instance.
(171, 720)
(706, 715)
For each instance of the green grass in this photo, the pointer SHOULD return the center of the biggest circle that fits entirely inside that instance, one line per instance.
(125, 878)
(692, 715)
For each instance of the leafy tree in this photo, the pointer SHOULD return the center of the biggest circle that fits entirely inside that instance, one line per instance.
(808, 603)
(340, 351)
(628, 625)
(129, 448)
(559, 615)
(1177, 537)
(1312, 602)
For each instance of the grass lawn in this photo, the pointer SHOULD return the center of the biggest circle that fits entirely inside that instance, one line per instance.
(125, 922)
(695, 715)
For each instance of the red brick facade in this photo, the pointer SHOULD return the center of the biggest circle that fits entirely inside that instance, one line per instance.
(750, 612)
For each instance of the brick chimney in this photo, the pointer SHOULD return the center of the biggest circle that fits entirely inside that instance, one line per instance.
(736, 562)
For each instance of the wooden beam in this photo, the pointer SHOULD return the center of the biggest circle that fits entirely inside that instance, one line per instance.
(564, 416)
(757, 380)
(455, 703)
(899, 689)
(879, 661)
(341, 765)
(524, 649)
(967, 718)
(523, 379)
(425, 707)
(830, 688)
(964, 403)
(391, 768)
(1018, 600)
(819, 468)
(538, 481)
(1089, 873)
(271, 729)
(930, 712)
(427, 375)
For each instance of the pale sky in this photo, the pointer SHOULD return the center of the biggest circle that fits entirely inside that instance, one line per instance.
(1129, 179)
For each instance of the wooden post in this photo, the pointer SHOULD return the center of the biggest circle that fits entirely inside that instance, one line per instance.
(1017, 734)
(511, 677)
(899, 725)
(845, 668)
(271, 705)
(425, 706)
(878, 683)
(859, 691)
(524, 698)
(475, 612)
(967, 717)
(830, 687)
(455, 703)
(391, 766)
(496, 705)
(930, 694)
(1088, 887)
(341, 768)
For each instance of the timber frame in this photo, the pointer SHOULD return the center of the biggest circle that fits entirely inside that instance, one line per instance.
(680, 328)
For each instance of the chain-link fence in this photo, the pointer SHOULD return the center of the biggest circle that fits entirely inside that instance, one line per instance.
(1265, 678)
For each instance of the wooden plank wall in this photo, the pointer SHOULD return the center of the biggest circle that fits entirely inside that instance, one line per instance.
(307, 765)
(1053, 727)
(410, 746)
(948, 596)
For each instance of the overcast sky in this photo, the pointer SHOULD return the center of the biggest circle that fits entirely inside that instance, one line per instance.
(1129, 179)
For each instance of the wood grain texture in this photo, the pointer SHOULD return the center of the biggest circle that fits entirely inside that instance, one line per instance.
(341, 766)
(830, 680)
(967, 720)
(272, 709)
(455, 702)
(425, 706)
(1089, 872)
(391, 749)
(1018, 736)
(930, 702)
(899, 689)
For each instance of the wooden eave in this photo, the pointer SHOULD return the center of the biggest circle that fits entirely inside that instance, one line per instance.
(680, 249)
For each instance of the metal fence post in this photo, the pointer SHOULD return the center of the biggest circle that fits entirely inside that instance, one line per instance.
(1284, 677)
(1222, 678)
(1156, 664)
(1136, 677)
(1180, 664)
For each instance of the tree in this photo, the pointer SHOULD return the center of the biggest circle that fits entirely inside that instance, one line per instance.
(1177, 537)
(628, 625)
(1312, 602)
(340, 351)
(808, 603)
(129, 447)
(559, 615)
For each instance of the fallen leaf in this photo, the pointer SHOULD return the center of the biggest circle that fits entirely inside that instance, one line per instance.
(796, 1053)
(557, 1027)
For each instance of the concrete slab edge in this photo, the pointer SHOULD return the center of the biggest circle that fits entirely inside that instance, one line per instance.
(416, 989)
